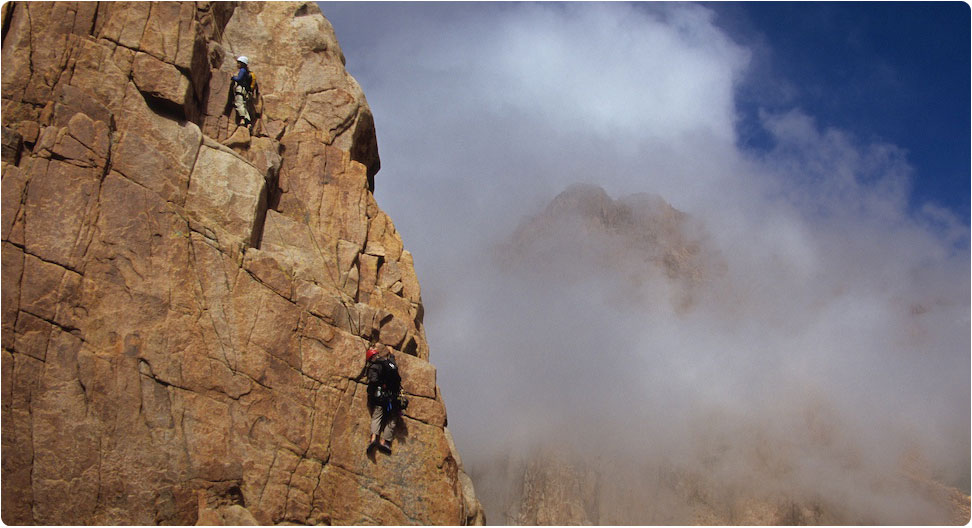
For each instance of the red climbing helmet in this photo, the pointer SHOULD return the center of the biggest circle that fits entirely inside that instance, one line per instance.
(371, 352)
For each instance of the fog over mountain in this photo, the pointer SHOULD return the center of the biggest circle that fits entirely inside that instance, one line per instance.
(791, 329)
(758, 371)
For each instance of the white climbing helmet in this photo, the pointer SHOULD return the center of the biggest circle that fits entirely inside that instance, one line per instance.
(243, 59)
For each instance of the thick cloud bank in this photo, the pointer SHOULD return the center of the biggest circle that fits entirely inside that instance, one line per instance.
(832, 336)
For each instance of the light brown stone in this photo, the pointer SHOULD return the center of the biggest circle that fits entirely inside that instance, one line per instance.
(169, 33)
(393, 303)
(420, 377)
(427, 411)
(83, 142)
(392, 333)
(100, 69)
(184, 323)
(367, 276)
(159, 79)
(153, 151)
(410, 283)
(390, 275)
(28, 130)
(126, 23)
(39, 287)
(16, 71)
(12, 262)
(227, 191)
(12, 189)
(272, 272)
(60, 202)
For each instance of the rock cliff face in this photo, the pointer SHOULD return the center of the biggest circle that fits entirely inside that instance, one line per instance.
(186, 303)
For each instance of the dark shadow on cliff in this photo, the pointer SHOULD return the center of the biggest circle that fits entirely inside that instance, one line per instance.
(401, 430)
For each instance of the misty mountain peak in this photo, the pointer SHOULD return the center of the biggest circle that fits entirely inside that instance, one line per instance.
(639, 239)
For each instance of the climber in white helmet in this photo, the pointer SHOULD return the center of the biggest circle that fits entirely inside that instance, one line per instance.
(241, 90)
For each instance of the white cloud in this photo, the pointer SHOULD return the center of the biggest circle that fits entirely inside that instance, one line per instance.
(509, 104)
(617, 71)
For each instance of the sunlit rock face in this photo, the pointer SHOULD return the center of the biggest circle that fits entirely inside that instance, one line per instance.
(186, 302)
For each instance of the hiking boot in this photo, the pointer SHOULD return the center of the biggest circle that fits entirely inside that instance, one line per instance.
(371, 446)
(386, 449)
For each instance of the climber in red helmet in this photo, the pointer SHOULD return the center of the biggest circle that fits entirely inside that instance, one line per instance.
(384, 397)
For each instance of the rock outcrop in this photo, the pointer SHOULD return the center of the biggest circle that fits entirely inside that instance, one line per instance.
(186, 303)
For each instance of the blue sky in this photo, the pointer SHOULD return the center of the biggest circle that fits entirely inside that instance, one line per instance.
(896, 71)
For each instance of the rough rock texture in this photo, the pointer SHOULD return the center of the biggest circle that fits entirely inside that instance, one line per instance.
(186, 303)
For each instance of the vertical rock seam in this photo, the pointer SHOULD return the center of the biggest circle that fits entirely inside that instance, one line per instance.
(186, 303)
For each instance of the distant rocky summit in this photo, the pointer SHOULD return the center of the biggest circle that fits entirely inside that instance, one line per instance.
(187, 303)
(723, 466)
(639, 238)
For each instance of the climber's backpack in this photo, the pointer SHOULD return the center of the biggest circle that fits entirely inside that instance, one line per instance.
(251, 90)
(389, 376)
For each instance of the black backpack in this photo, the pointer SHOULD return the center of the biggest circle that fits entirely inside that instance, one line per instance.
(389, 376)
